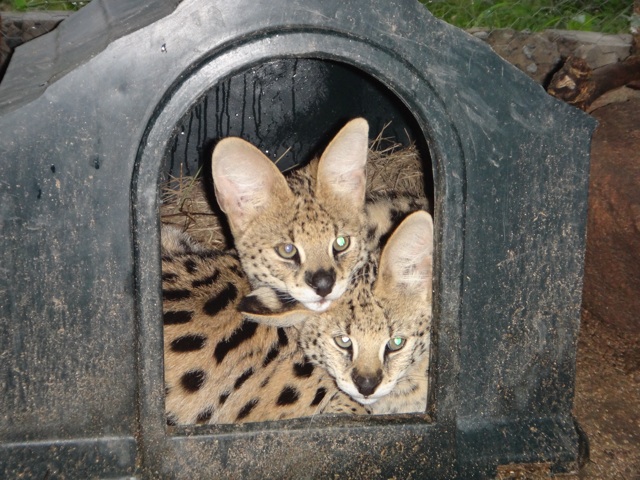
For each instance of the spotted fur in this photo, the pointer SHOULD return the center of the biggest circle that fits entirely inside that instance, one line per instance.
(225, 367)
(385, 211)
(221, 367)
(388, 302)
(310, 212)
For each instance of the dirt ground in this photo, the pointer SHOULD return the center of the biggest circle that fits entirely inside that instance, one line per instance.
(607, 399)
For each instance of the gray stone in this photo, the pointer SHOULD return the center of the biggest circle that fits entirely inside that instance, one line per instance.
(598, 49)
(532, 53)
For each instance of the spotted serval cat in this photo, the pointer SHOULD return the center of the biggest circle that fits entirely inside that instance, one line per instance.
(302, 235)
(375, 341)
(221, 367)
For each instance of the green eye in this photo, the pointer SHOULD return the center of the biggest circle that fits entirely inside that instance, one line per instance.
(396, 343)
(340, 244)
(343, 341)
(287, 250)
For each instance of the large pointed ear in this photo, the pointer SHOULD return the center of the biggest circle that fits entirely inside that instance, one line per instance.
(267, 306)
(341, 170)
(245, 181)
(406, 262)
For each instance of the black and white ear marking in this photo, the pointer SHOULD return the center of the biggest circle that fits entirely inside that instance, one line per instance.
(245, 181)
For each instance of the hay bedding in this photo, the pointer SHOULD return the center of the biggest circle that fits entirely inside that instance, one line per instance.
(185, 203)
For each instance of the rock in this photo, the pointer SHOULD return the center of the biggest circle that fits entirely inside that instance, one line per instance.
(598, 49)
(612, 263)
(618, 95)
(532, 53)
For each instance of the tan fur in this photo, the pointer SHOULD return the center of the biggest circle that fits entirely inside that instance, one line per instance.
(309, 210)
(222, 368)
(398, 305)
(203, 290)
(208, 380)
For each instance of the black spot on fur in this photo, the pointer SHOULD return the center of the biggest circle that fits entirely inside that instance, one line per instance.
(303, 370)
(283, 340)
(246, 410)
(208, 254)
(173, 295)
(271, 355)
(287, 396)
(239, 336)
(171, 420)
(221, 301)
(223, 398)
(190, 266)
(395, 216)
(243, 378)
(188, 343)
(414, 387)
(193, 380)
(205, 282)
(237, 271)
(177, 318)
(186, 246)
(205, 415)
(320, 394)
(253, 304)
(169, 277)
(371, 233)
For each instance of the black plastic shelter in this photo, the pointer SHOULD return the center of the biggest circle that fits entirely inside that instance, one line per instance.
(96, 113)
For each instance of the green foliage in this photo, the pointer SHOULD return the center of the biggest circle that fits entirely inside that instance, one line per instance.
(607, 16)
(30, 5)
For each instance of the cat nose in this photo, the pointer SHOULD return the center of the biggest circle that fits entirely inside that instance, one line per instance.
(366, 384)
(321, 281)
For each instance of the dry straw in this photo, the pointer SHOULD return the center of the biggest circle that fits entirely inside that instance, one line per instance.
(185, 203)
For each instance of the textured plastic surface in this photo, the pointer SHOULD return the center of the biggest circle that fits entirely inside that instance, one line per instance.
(83, 145)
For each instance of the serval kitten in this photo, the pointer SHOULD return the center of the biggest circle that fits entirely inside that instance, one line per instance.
(221, 367)
(303, 234)
(375, 340)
